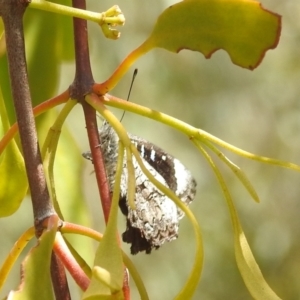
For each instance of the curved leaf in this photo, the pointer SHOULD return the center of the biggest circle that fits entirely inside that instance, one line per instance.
(242, 28)
(108, 271)
(248, 267)
(14, 253)
(36, 278)
(13, 183)
(236, 170)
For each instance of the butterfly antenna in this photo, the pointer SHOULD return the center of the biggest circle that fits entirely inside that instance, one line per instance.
(133, 77)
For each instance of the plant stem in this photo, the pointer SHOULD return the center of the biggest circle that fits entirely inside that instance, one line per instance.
(83, 80)
(59, 279)
(98, 160)
(81, 86)
(63, 252)
(12, 13)
(66, 10)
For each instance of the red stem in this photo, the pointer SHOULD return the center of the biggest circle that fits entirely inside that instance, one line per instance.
(59, 279)
(83, 80)
(62, 251)
(37, 110)
(81, 86)
(98, 160)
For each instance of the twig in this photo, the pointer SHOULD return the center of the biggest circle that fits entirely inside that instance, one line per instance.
(83, 80)
(12, 13)
(59, 279)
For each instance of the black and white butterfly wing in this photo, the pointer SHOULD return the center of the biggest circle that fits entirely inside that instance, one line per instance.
(156, 217)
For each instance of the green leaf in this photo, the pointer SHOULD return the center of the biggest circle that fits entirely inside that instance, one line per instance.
(68, 164)
(242, 28)
(64, 182)
(13, 183)
(108, 271)
(107, 279)
(249, 269)
(236, 170)
(36, 278)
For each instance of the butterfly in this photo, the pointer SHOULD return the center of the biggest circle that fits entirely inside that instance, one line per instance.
(155, 219)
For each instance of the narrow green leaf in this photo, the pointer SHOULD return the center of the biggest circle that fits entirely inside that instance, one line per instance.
(236, 170)
(242, 28)
(66, 182)
(249, 269)
(108, 272)
(14, 253)
(36, 278)
(191, 284)
(13, 183)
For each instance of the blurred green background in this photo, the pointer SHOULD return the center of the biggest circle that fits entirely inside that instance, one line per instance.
(257, 111)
